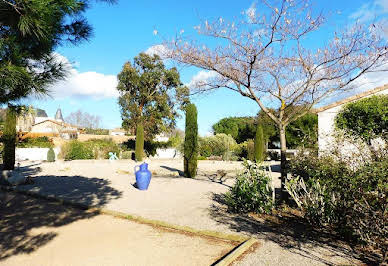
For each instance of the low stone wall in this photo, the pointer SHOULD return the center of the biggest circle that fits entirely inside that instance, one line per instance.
(33, 154)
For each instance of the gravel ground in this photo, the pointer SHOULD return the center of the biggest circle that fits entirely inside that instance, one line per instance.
(38, 232)
(178, 200)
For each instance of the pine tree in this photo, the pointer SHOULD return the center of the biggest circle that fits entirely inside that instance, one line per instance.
(139, 150)
(9, 139)
(259, 144)
(191, 142)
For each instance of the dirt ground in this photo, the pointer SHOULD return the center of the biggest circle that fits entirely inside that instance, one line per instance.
(37, 232)
(198, 203)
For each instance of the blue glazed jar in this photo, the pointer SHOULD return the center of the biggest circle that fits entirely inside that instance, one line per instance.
(143, 176)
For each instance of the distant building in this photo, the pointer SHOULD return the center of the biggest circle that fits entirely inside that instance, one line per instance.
(38, 124)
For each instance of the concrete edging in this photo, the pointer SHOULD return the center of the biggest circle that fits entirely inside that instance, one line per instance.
(244, 242)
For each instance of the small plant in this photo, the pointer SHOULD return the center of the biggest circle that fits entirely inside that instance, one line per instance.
(191, 142)
(51, 155)
(252, 191)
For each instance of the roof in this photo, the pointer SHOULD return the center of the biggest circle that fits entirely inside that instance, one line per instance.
(56, 122)
(352, 98)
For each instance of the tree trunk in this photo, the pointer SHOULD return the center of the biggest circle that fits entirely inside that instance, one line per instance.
(139, 149)
(283, 162)
(9, 139)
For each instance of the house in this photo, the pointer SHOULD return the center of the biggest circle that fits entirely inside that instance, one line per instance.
(327, 115)
(37, 123)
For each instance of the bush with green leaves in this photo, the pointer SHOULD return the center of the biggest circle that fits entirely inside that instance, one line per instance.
(51, 155)
(366, 118)
(39, 142)
(102, 147)
(150, 147)
(246, 150)
(97, 131)
(252, 191)
(219, 145)
(354, 201)
(76, 150)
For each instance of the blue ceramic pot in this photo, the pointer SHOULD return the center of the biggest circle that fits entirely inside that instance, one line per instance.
(143, 176)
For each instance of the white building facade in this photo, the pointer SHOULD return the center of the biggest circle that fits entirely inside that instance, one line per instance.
(327, 115)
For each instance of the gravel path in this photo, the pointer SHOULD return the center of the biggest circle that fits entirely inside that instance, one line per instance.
(178, 200)
(38, 232)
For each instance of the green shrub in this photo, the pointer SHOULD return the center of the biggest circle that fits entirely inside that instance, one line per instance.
(191, 142)
(259, 147)
(127, 155)
(97, 131)
(102, 147)
(76, 150)
(150, 147)
(366, 118)
(9, 140)
(139, 149)
(51, 155)
(252, 191)
(246, 150)
(329, 192)
(39, 142)
(219, 145)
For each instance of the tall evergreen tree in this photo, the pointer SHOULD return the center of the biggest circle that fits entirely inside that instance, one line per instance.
(29, 33)
(191, 142)
(259, 144)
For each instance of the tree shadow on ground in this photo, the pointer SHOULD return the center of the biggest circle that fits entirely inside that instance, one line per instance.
(20, 214)
(94, 192)
(290, 232)
(218, 177)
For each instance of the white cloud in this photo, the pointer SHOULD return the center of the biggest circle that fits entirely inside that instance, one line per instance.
(84, 84)
(201, 79)
(158, 49)
(370, 11)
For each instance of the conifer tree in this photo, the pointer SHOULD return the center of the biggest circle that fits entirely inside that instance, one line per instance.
(191, 142)
(259, 144)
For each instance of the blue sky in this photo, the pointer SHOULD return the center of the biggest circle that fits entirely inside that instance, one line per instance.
(124, 30)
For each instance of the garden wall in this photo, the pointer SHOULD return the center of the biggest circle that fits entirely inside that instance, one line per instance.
(33, 154)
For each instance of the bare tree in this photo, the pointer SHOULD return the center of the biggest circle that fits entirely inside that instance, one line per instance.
(84, 119)
(265, 57)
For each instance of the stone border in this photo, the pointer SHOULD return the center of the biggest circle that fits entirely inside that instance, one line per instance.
(244, 242)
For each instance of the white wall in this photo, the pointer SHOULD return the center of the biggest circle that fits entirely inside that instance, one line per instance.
(33, 154)
(326, 124)
(167, 153)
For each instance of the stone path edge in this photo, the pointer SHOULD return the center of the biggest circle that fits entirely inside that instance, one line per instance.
(244, 242)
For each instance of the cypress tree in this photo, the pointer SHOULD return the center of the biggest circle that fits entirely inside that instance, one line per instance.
(9, 140)
(139, 149)
(191, 142)
(259, 144)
